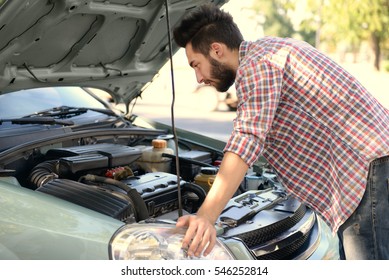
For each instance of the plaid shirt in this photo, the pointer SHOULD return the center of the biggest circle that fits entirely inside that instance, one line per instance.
(314, 123)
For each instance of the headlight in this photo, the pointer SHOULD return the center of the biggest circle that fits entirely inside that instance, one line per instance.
(157, 242)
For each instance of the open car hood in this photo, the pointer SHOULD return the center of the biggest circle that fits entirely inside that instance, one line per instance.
(116, 45)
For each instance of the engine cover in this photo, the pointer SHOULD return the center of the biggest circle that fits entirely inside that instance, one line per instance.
(114, 204)
(158, 189)
(159, 192)
(80, 158)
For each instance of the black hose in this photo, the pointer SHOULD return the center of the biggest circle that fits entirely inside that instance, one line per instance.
(43, 173)
(141, 211)
(47, 171)
(197, 190)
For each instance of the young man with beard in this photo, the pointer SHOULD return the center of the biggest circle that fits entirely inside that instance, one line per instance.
(323, 133)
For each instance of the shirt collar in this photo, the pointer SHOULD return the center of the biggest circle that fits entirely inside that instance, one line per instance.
(243, 49)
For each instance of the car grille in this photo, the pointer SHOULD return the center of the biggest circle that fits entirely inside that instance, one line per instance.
(280, 230)
(286, 252)
(264, 234)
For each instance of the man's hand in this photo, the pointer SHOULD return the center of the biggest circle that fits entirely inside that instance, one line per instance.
(200, 235)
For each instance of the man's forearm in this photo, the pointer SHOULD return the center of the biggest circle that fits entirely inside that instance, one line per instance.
(230, 175)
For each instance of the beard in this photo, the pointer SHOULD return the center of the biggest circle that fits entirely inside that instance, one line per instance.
(223, 75)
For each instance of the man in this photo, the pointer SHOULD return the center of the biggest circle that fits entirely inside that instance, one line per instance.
(324, 134)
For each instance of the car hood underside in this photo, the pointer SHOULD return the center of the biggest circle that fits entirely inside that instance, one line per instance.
(115, 45)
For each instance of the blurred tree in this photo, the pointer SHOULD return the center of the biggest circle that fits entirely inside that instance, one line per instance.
(277, 20)
(352, 22)
(282, 19)
(311, 22)
(341, 24)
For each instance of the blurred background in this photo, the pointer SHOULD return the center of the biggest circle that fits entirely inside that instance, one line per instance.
(355, 33)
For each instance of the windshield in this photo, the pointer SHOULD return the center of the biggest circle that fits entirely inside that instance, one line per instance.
(26, 102)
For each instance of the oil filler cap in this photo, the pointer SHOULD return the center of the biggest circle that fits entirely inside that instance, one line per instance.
(209, 170)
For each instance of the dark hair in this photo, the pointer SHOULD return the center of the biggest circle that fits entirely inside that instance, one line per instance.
(206, 25)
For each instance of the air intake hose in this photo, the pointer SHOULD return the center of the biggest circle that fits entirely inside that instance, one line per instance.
(43, 173)
(140, 206)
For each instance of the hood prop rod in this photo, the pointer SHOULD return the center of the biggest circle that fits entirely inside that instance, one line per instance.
(32, 73)
(177, 161)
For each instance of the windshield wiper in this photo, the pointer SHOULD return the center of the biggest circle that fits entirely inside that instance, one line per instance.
(66, 111)
(37, 120)
(56, 115)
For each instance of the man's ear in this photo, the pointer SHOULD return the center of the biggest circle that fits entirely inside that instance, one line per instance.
(217, 49)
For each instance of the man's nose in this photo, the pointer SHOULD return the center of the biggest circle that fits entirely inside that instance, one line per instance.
(199, 77)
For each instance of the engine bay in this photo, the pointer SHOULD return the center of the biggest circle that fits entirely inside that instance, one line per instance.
(130, 179)
(132, 176)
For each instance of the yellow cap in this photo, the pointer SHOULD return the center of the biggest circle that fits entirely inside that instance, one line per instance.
(159, 143)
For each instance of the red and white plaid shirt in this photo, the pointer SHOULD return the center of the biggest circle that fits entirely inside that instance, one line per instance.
(314, 123)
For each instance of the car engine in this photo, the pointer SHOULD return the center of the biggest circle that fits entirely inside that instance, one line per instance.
(108, 178)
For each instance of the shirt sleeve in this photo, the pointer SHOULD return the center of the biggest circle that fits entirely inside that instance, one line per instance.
(259, 85)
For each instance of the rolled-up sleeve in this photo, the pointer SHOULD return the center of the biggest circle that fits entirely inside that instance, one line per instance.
(258, 87)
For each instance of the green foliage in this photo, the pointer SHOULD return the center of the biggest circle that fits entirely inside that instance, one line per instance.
(277, 20)
(346, 22)
(281, 19)
(355, 19)
(386, 65)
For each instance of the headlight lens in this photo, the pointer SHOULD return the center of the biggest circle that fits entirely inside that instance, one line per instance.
(157, 242)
